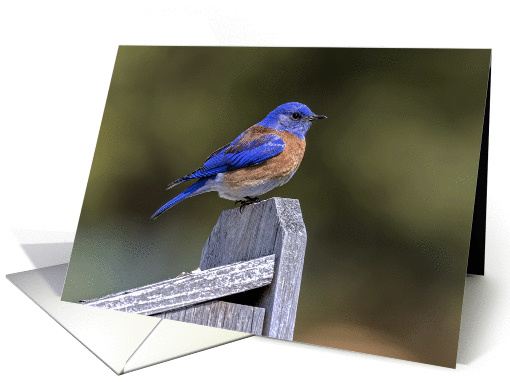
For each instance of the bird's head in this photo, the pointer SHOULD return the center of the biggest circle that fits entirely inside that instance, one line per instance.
(293, 117)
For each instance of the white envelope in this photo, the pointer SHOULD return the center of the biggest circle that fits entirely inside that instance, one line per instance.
(123, 341)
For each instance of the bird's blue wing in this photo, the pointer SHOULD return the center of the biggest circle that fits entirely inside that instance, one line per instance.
(249, 149)
(244, 152)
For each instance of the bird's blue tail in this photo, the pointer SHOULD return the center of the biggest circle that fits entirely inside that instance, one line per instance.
(189, 192)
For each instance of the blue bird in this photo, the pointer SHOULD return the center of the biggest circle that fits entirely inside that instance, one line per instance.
(263, 157)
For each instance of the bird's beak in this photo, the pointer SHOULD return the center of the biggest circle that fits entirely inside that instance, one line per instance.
(315, 116)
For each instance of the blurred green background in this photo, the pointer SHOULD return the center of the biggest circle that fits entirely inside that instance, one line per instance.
(386, 186)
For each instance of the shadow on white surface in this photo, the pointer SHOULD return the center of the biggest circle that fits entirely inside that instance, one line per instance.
(48, 254)
(44, 255)
(478, 313)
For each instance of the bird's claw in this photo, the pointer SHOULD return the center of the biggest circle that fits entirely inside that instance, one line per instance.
(246, 201)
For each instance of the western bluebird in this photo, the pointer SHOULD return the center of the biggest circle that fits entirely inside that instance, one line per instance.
(263, 157)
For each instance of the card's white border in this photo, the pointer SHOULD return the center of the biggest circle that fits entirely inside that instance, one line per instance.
(57, 60)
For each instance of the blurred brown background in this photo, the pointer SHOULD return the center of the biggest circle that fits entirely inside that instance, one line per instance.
(386, 186)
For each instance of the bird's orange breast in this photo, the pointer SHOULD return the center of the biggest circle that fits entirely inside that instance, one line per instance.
(278, 168)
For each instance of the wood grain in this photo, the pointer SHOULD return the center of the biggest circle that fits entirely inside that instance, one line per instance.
(220, 314)
(271, 226)
(191, 289)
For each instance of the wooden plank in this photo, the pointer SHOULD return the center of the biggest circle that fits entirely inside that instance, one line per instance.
(220, 314)
(257, 324)
(271, 226)
(191, 289)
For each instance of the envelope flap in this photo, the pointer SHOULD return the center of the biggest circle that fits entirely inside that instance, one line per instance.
(112, 336)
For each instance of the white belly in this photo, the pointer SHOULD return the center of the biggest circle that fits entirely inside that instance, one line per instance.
(240, 193)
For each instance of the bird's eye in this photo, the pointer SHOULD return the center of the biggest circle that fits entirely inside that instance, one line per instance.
(296, 116)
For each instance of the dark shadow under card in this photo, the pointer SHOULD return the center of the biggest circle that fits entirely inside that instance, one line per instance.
(476, 260)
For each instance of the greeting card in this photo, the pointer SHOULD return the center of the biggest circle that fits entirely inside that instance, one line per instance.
(329, 196)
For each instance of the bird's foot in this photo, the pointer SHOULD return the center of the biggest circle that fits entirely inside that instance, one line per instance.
(247, 201)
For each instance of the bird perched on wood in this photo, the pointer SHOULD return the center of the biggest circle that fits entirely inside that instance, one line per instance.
(263, 157)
